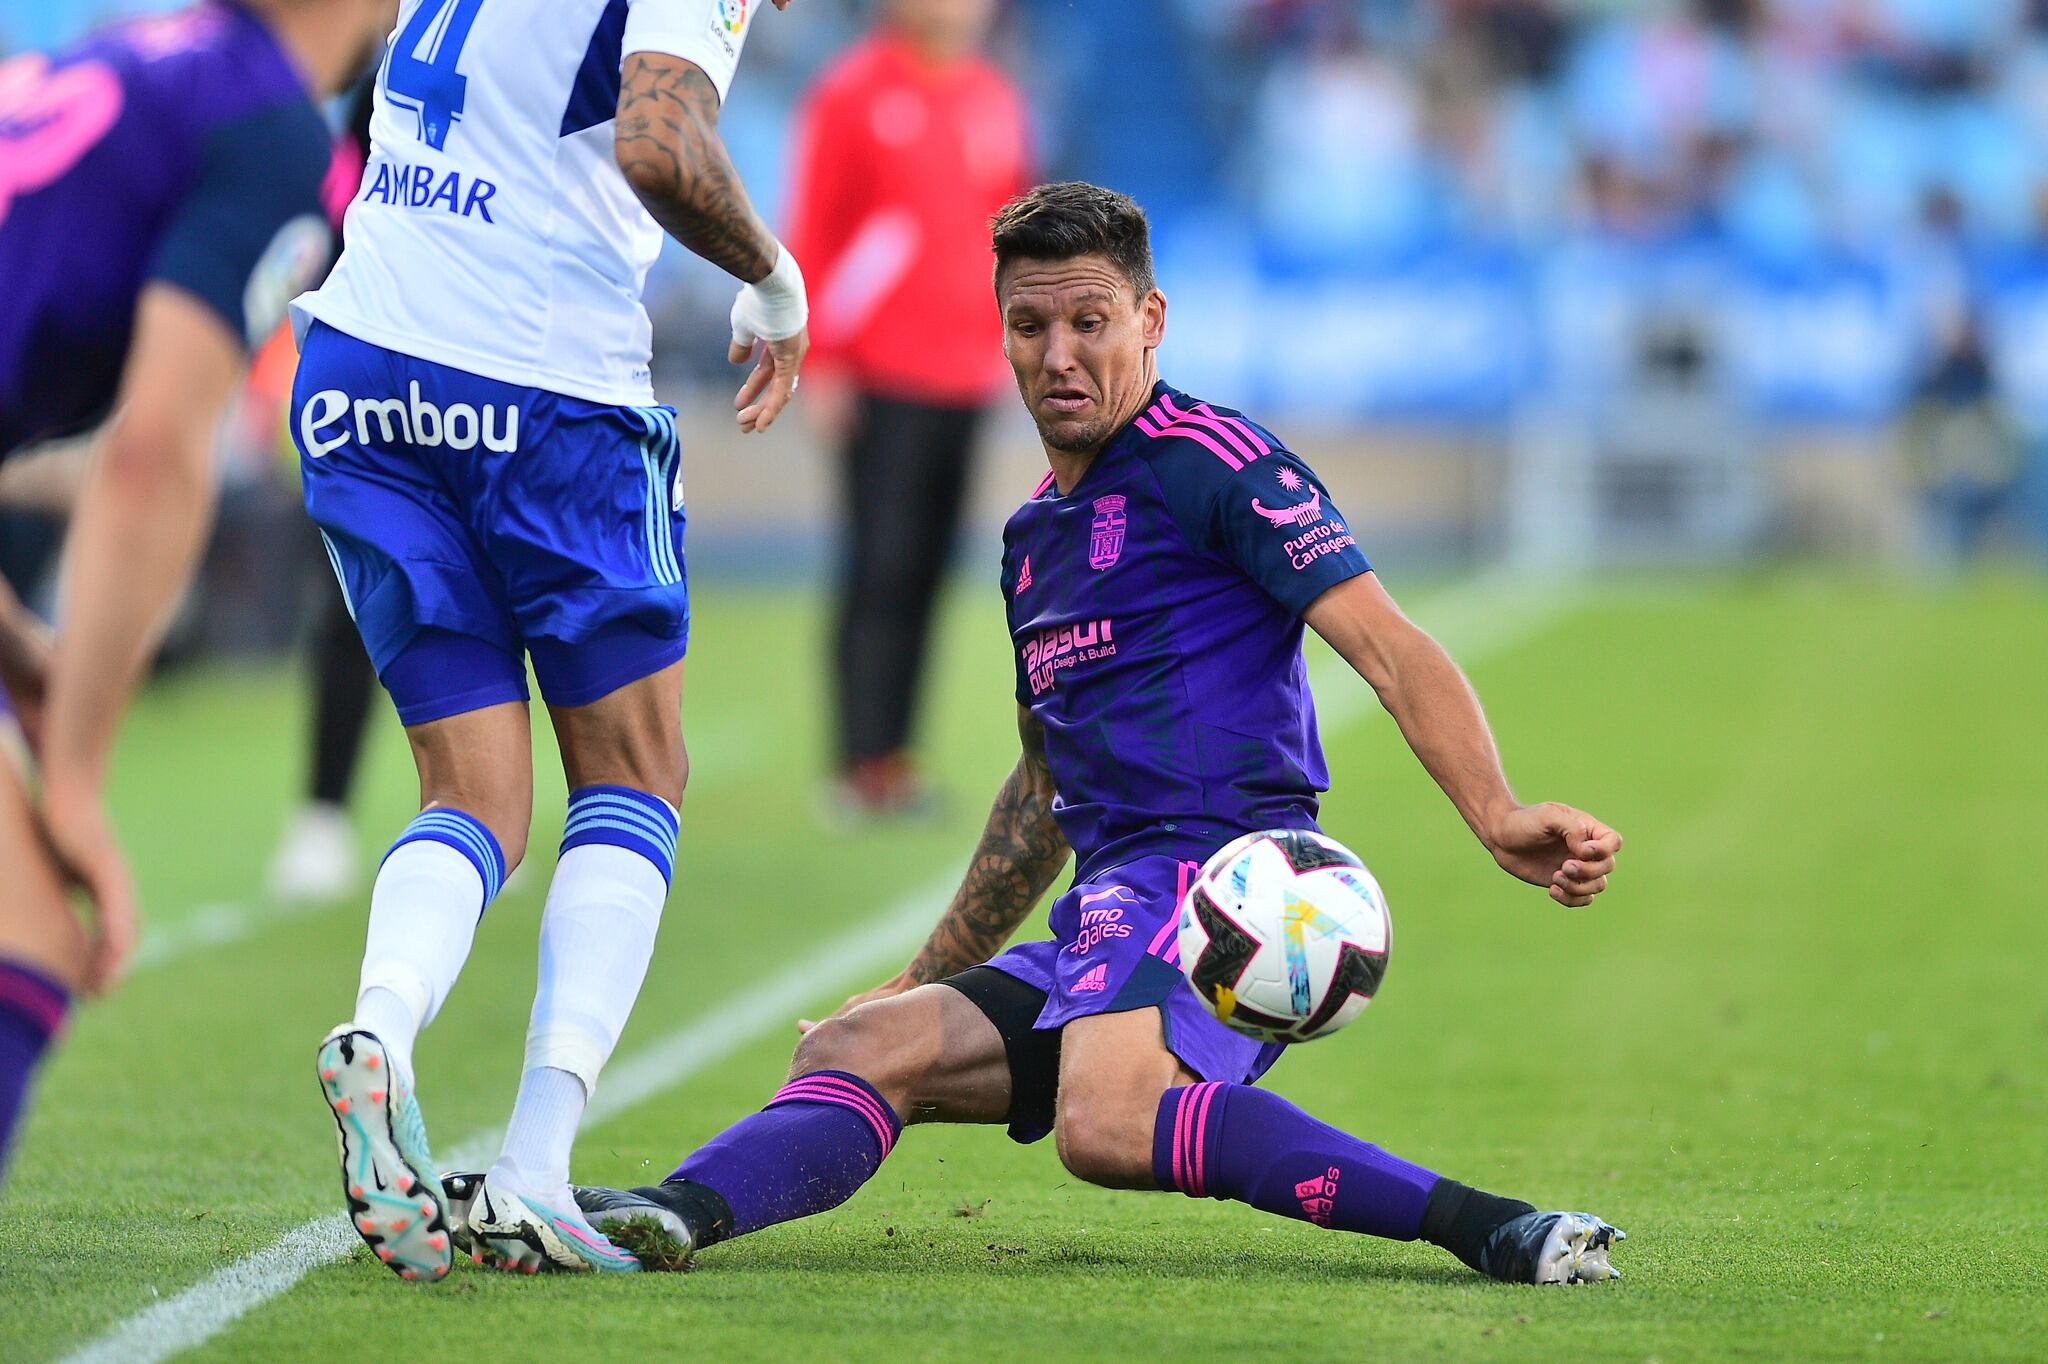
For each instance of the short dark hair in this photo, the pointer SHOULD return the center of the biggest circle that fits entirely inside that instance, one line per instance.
(1074, 218)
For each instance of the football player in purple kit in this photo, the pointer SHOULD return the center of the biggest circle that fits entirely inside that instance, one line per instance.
(1158, 583)
(159, 205)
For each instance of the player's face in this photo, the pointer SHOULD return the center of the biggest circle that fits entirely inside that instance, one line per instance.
(1080, 340)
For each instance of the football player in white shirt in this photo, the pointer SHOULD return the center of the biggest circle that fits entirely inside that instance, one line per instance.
(484, 457)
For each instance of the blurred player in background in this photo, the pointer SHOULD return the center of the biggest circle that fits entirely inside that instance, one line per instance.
(484, 457)
(1158, 582)
(159, 204)
(315, 858)
(907, 144)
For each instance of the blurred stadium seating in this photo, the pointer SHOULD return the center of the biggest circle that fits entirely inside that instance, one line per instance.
(1714, 259)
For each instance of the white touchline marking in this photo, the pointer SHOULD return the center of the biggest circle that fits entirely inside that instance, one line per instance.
(216, 1302)
(1484, 616)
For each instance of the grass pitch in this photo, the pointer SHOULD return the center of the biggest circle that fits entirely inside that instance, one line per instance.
(1799, 1051)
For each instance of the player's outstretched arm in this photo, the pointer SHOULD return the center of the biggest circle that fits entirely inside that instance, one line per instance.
(137, 531)
(667, 144)
(1020, 853)
(1546, 844)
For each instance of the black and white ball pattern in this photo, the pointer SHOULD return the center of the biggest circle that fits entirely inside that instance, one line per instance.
(1285, 935)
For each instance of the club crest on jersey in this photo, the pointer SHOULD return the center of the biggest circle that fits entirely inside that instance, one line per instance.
(1106, 532)
(1301, 513)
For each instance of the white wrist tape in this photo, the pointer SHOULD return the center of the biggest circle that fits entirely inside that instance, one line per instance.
(775, 309)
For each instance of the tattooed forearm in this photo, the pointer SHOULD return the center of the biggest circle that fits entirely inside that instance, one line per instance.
(667, 144)
(1020, 852)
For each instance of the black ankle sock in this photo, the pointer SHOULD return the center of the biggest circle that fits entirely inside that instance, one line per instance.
(703, 1209)
(1459, 1218)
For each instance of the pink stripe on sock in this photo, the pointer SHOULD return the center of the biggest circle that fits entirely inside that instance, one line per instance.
(1213, 423)
(833, 1090)
(1180, 1141)
(1195, 433)
(854, 1102)
(1202, 1137)
(27, 995)
(1239, 425)
(1183, 1150)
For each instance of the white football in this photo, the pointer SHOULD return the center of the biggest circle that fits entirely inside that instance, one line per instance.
(1285, 935)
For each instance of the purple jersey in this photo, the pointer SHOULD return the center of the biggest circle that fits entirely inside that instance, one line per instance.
(183, 148)
(1156, 613)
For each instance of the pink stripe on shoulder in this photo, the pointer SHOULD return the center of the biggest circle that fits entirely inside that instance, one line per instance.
(1239, 425)
(1212, 423)
(1203, 438)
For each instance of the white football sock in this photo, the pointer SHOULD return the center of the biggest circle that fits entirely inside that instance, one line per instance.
(423, 917)
(536, 1156)
(596, 939)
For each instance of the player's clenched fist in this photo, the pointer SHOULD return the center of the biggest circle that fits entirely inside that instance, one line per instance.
(1556, 846)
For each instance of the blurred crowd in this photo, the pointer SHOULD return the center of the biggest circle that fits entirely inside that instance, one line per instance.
(1829, 214)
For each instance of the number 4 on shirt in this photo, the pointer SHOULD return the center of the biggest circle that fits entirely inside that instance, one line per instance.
(421, 74)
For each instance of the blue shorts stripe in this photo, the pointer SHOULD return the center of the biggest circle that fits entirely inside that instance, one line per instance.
(647, 509)
(654, 458)
(666, 453)
(340, 577)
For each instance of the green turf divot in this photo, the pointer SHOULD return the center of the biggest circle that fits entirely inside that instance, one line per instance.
(652, 1244)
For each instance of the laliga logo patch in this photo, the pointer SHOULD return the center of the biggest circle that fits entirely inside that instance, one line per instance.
(1106, 533)
(289, 266)
(1301, 513)
(734, 12)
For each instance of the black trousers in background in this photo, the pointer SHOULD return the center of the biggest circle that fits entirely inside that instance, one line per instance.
(343, 682)
(904, 475)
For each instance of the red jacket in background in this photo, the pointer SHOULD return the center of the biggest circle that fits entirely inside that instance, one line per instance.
(899, 167)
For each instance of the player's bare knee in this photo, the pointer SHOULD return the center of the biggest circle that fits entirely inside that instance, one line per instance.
(871, 1043)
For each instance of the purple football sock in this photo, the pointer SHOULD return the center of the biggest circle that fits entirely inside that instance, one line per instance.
(1234, 1141)
(32, 1008)
(819, 1139)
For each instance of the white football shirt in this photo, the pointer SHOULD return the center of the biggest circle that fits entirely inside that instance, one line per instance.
(494, 231)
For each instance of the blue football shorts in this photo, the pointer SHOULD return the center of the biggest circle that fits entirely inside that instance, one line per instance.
(472, 523)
